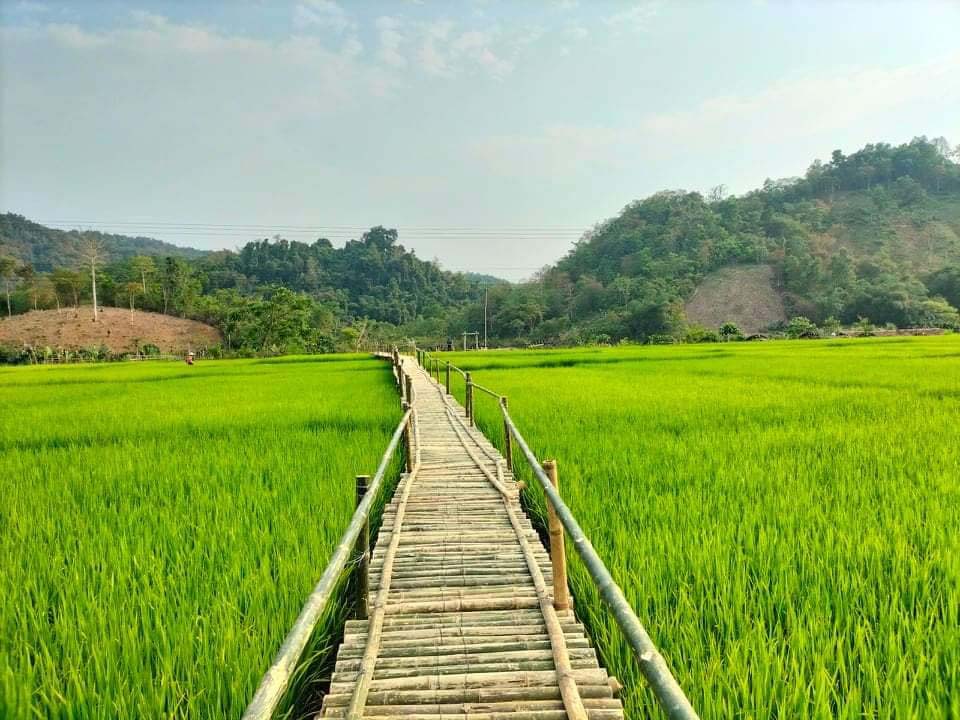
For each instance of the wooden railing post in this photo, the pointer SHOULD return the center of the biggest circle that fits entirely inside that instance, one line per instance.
(363, 547)
(468, 398)
(408, 440)
(408, 382)
(558, 552)
(448, 377)
(507, 438)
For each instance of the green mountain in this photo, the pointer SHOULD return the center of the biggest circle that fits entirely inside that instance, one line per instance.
(45, 248)
(875, 235)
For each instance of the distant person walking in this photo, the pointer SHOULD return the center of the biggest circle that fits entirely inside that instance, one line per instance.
(189, 358)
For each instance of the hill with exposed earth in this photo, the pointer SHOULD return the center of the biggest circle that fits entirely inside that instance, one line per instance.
(119, 330)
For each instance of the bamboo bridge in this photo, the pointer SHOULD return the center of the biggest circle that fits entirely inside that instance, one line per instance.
(462, 613)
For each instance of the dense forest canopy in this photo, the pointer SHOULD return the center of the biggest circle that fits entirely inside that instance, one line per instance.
(46, 248)
(872, 235)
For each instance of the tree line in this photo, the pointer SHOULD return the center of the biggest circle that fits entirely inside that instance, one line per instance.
(867, 237)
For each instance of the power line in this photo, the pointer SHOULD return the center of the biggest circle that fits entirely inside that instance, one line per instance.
(319, 226)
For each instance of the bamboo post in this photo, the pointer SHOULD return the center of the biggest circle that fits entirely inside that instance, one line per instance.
(408, 438)
(363, 546)
(507, 439)
(469, 398)
(448, 377)
(558, 553)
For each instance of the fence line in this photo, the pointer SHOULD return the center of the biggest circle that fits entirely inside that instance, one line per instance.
(665, 687)
(276, 680)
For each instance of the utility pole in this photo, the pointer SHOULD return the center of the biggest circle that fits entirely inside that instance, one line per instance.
(485, 346)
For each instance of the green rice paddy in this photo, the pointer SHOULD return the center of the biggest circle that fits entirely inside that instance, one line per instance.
(784, 517)
(161, 525)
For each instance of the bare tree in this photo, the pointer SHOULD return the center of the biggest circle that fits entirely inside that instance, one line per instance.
(718, 192)
(942, 146)
(7, 266)
(143, 265)
(132, 288)
(93, 252)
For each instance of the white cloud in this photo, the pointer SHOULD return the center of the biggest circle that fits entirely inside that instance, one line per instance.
(325, 14)
(446, 52)
(811, 104)
(299, 73)
(28, 7)
(391, 40)
(636, 18)
(785, 111)
(351, 46)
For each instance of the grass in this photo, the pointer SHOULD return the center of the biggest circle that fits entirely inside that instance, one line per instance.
(784, 517)
(161, 525)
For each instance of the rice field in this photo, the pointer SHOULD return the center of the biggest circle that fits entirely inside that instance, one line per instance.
(161, 525)
(784, 517)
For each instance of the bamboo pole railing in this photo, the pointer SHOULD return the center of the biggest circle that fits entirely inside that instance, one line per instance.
(276, 681)
(666, 689)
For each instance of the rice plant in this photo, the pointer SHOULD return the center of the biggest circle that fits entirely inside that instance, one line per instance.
(784, 517)
(162, 525)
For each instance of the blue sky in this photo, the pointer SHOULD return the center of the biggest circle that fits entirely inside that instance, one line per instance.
(528, 120)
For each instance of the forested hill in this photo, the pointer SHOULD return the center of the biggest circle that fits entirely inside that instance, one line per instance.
(45, 248)
(875, 235)
(372, 277)
(270, 296)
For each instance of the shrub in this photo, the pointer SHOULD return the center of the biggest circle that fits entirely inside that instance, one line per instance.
(700, 334)
(801, 327)
(730, 331)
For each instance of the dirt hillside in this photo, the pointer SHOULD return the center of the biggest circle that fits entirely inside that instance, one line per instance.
(118, 329)
(743, 294)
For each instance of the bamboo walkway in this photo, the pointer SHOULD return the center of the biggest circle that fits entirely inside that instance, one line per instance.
(462, 624)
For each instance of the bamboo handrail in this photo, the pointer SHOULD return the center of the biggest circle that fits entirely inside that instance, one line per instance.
(488, 391)
(277, 678)
(665, 687)
(654, 668)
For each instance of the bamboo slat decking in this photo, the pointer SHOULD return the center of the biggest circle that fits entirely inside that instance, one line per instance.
(461, 615)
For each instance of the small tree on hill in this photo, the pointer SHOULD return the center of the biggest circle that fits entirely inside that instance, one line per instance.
(28, 276)
(7, 266)
(93, 252)
(131, 289)
(68, 282)
(143, 265)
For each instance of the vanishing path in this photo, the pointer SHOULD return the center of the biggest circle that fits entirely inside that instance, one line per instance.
(462, 623)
